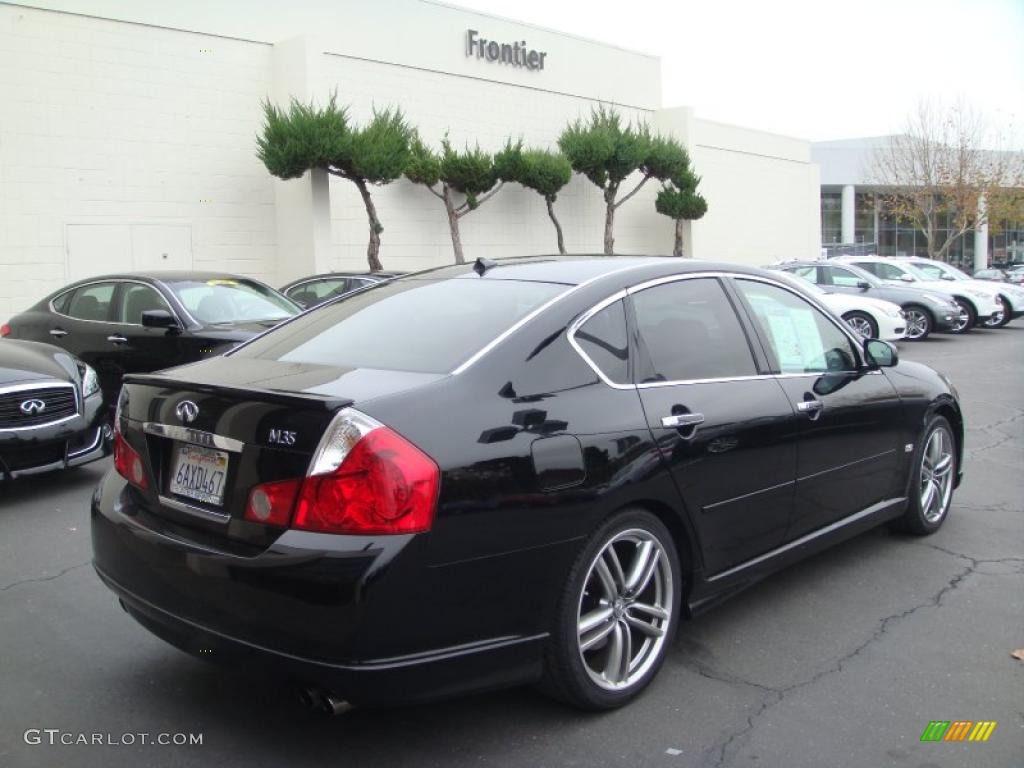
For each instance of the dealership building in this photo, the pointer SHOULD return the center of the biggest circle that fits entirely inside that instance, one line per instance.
(127, 141)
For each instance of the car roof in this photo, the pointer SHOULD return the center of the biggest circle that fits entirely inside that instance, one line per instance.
(575, 269)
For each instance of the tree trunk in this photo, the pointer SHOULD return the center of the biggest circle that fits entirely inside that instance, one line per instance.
(453, 225)
(609, 219)
(373, 248)
(678, 250)
(558, 227)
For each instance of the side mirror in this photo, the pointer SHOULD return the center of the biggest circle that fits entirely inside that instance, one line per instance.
(863, 285)
(159, 318)
(906, 278)
(880, 354)
(948, 277)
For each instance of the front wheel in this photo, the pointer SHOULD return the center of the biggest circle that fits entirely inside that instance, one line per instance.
(862, 323)
(617, 614)
(966, 319)
(1000, 318)
(933, 475)
(919, 322)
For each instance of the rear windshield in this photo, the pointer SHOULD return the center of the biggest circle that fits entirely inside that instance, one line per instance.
(408, 325)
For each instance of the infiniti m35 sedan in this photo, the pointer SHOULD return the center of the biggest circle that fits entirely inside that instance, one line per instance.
(535, 480)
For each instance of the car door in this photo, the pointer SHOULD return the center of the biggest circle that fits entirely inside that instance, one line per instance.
(840, 280)
(134, 347)
(83, 326)
(726, 431)
(849, 446)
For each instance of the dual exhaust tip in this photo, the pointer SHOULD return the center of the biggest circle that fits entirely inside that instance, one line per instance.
(318, 700)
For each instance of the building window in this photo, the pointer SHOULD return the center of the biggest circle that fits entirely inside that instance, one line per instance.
(831, 218)
(864, 218)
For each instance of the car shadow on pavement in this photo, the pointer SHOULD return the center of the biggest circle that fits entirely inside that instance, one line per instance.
(75, 480)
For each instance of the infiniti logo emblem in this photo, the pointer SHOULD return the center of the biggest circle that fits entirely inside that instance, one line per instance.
(32, 407)
(187, 411)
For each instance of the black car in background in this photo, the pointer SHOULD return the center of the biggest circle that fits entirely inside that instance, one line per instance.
(51, 411)
(311, 291)
(535, 480)
(926, 311)
(140, 322)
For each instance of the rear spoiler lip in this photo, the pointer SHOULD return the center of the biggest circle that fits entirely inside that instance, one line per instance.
(327, 403)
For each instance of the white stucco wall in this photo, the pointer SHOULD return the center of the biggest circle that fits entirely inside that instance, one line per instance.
(127, 132)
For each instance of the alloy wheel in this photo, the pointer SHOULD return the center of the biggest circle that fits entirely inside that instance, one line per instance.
(861, 325)
(936, 482)
(997, 319)
(625, 609)
(917, 323)
(962, 319)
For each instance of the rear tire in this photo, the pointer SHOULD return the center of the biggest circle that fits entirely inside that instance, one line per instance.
(862, 323)
(617, 614)
(919, 322)
(968, 317)
(933, 475)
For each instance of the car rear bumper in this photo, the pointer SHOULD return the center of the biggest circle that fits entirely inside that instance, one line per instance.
(69, 444)
(441, 673)
(362, 617)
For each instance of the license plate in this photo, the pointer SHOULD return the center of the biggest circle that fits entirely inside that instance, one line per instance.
(199, 473)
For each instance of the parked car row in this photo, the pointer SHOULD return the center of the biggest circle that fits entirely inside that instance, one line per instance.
(933, 296)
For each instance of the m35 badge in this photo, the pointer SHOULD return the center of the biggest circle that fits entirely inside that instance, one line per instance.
(281, 437)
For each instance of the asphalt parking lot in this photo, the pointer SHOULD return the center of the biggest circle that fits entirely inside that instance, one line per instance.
(842, 660)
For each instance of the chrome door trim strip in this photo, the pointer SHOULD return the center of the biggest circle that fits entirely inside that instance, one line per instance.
(194, 436)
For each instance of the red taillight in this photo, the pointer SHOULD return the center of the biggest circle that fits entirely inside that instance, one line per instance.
(385, 485)
(128, 462)
(271, 503)
(5, 329)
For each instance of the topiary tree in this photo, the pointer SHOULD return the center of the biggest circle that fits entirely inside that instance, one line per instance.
(607, 152)
(545, 172)
(680, 201)
(308, 137)
(473, 174)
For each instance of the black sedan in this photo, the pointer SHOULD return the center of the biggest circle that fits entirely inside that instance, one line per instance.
(535, 481)
(51, 411)
(136, 323)
(311, 291)
(926, 311)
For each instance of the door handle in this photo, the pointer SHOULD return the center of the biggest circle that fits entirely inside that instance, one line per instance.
(117, 339)
(812, 408)
(682, 421)
(58, 333)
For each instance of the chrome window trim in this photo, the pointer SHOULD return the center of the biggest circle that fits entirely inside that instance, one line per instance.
(26, 386)
(114, 280)
(586, 315)
(188, 509)
(193, 436)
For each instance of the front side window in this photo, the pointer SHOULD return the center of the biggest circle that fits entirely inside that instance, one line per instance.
(136, 299)
(887, 271)
(222, 301)
(92, 302)
(316, 291)
(810, 274)
(931, 271)
(690, 331)
(842, 277)
(425, 326)
(802, 339)
(603, 339)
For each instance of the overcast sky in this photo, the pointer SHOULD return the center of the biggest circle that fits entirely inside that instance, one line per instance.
(818, 69)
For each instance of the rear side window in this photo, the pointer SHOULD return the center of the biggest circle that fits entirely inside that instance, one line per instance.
(316, 291)
(427, 326)
(603, 339)
(91, 302)
(690, 331)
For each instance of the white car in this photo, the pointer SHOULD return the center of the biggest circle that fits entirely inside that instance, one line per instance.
(869, 318)
(1010, 297)
(977, 304)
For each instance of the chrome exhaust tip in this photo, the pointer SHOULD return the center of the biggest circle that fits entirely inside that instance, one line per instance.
(335, 706)
(317, 700)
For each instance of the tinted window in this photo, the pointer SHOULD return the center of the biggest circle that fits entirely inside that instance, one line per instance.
(840, 276)
(802, 338)
(409, 325)
(316, 291)
(603, 339)
(92, 302)
(60, 304)
(136, 299)
(690, 331)
(227, 300)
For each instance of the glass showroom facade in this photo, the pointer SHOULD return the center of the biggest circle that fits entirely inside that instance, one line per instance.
(877, 230)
